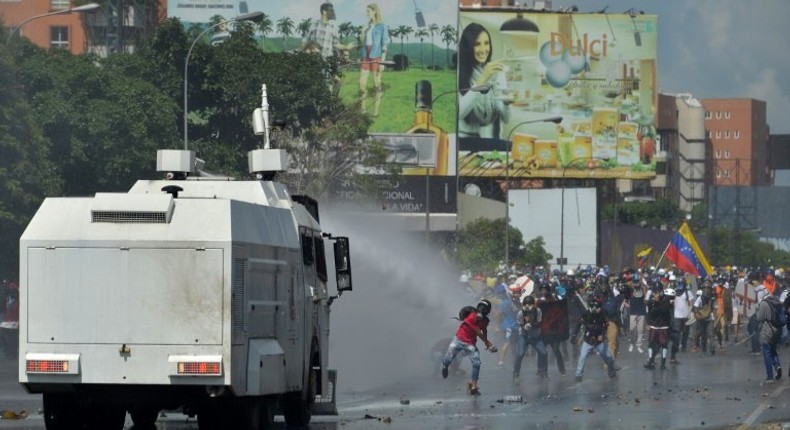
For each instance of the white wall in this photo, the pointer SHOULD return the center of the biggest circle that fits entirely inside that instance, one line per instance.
(538, 213)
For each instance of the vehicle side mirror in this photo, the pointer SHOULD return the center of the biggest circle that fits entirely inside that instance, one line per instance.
(342, 263)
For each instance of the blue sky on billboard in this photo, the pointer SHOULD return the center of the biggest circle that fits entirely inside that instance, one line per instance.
(718, 48)
(394, 12)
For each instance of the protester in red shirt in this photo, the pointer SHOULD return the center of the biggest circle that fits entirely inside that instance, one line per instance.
(473, 326)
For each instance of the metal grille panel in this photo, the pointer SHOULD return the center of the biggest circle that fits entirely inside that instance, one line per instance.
(129, 217)
(239, 274)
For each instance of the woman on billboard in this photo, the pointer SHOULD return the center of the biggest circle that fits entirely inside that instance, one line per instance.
(480, 81)
(374, 38)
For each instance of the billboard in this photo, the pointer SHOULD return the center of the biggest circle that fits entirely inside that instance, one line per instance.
(556, 95)
(201, 11)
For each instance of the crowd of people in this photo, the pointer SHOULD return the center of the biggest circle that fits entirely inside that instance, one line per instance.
(658, 312)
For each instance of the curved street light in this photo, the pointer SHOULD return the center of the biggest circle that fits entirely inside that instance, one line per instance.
(555, 120)
(244, 17)
(79, 9)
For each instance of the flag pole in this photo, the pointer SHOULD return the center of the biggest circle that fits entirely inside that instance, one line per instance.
(658, 265)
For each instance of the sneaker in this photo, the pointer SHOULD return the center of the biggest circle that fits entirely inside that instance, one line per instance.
(445, 372)
(663, 366)
(639, 348)
(474, 391)
(501, 364)
(778, 373)
(631, 347)
(674, 361)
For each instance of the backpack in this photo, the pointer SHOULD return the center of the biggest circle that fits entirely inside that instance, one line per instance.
(780, 315)
(704, 310)
(611, 306)
(465, 311)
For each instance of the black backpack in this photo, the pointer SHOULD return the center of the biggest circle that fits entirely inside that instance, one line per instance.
(465, 311)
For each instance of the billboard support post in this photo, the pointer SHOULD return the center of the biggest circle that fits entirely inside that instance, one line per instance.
(554, 119)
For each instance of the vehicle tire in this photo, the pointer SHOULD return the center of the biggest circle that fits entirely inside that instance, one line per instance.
(296, 410)
(144, 416)
(59, 412)
(254, 413)
(209, 417)
(107, 417)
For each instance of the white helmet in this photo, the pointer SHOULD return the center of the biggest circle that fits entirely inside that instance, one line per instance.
(672, 277)
(570, 273)
(661, 272)
(669, 292)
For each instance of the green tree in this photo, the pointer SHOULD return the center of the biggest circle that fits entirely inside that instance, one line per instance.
(265, 26)
(285, 26)
(26, 174)
(448, 37)
(304, 27)
(434, 30)
(535, 253)
(481, 245)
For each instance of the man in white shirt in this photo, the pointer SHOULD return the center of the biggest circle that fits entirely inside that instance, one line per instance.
(682, 309)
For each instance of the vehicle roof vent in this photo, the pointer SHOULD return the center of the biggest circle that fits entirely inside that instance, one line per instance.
(132, 208)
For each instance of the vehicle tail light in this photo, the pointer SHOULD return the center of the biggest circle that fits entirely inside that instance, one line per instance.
(47, 366)
(199, 368)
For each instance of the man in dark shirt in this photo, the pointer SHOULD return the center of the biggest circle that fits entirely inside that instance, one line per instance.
(659, 318)
(595, 324)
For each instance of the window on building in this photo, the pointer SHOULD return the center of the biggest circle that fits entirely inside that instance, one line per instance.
(718, 134)
(718, 173)
(59, 37)
(59, 4)
(727, 114)
(737, 134)
(708, 134)
(727, 154)
(718, 114)
(727, 173)
(707, 114)
(727, 134)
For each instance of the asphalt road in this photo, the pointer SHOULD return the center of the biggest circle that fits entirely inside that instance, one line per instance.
(702, 392)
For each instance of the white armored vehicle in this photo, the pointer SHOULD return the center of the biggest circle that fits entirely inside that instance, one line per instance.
(205, 294)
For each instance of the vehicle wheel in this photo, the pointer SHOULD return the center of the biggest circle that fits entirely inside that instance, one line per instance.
(107, 417)
(296, 410)
(209, 417)
(144, 416)
(59, 412)
(254, 413)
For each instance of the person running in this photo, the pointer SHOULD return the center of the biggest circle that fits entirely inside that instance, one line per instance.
(474, 326)
(594, 339)
(659, 318)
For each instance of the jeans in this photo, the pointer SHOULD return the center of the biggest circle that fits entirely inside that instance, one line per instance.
(540, 347)
(555, 347)
(471, 350)
(679, 335)
(771, 359)
(602, 351)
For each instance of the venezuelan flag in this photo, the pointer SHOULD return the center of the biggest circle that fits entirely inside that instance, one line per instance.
(642, 256)
(684, 251)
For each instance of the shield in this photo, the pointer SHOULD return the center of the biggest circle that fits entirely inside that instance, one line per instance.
(554, 326)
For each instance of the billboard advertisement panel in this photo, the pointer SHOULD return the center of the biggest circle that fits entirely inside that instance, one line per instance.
(554, 95)
(398, 61)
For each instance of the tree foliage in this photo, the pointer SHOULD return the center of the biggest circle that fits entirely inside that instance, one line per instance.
(535, 254)
(481, 245)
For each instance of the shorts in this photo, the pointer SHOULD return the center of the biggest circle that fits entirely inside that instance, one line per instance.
(370, 64)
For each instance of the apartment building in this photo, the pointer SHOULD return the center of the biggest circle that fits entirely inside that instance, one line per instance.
(115, 26)
(737, 132)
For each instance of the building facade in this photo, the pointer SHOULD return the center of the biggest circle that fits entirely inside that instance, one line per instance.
(737, 132)
(114, 27)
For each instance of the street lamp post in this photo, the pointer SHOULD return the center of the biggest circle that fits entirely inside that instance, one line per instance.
(78, 9)
(562, 208)
(244, 17)
(555, 120)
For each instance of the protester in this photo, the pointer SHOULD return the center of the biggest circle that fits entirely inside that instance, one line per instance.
(770, 332)
(659, 317)
(474, 326)
(529, 321)
(594, 339)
